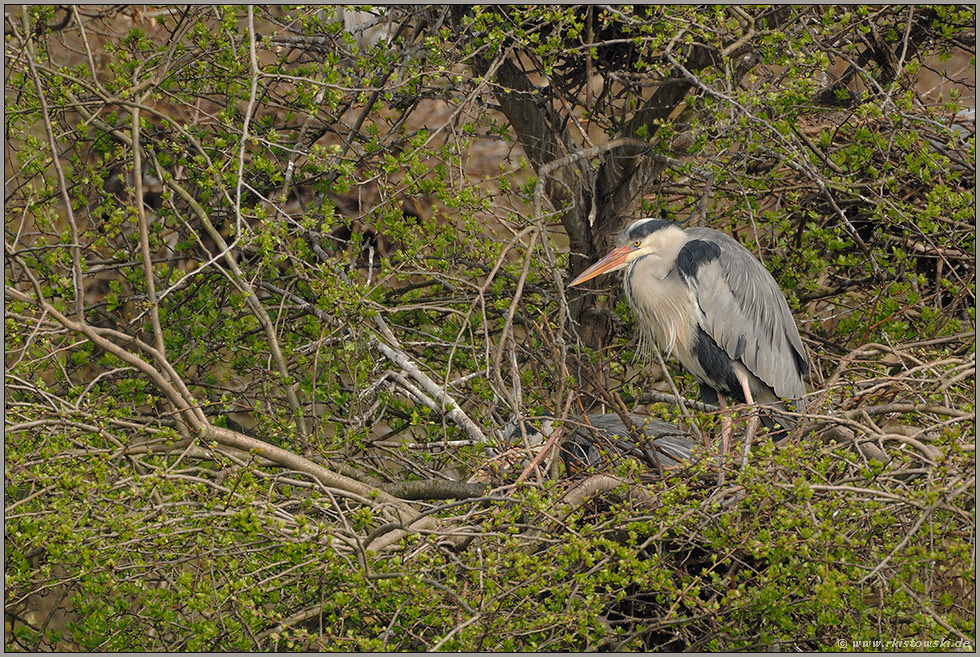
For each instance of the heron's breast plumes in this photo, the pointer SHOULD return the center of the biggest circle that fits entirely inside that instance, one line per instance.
(663, 307)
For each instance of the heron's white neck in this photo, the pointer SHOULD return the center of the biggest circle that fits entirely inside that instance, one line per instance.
(662, 305)
(658, 254)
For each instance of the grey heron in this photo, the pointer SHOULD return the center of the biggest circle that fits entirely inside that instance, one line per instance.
(665, 442)
(702, 296)
(586, 440)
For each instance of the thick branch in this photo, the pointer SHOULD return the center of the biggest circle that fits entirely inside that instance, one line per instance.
(434, 489)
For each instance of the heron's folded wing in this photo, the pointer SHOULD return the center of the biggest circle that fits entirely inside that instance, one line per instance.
(745, 313)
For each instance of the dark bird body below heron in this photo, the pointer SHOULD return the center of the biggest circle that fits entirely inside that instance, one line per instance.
(703, 297)
(605, 432)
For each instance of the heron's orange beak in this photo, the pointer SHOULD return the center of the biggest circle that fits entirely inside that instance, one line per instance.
(615, 259)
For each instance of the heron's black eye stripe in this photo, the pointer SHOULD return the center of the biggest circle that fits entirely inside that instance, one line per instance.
(643, 227)
(693, 255)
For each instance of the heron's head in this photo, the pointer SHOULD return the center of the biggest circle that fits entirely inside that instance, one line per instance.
(641, 238)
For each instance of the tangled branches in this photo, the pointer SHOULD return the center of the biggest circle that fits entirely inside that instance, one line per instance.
(285, 321)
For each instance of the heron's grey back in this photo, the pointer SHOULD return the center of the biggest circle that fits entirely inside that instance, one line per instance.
(746, 314)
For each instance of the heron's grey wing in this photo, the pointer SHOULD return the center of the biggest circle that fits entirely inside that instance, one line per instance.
(678, 447)
(744, 311)
(671, 438)
(668, 437)
(579, 451)
(611, 425)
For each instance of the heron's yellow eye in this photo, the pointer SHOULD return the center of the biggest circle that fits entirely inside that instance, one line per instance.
(636, 244)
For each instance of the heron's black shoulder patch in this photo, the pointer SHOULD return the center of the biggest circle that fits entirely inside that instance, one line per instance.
(643, 227)
(693, 255)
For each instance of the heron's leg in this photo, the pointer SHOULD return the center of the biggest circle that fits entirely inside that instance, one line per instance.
(753, 422)
(710, 396)
(726, 433)
(726, 425)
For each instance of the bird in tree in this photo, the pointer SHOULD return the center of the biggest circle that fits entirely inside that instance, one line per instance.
(596, 435)
(700, 295)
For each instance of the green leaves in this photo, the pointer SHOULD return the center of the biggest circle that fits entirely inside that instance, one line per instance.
(383, 196)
